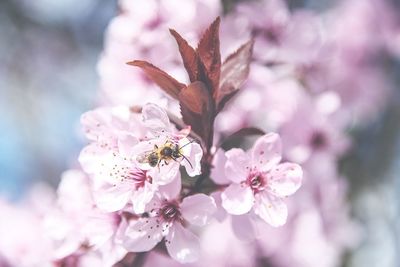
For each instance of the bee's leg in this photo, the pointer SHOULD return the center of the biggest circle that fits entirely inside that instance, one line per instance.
(185, 158)
(191, 141)
(158, 166)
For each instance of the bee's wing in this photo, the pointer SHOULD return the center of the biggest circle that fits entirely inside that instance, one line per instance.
(144, 157)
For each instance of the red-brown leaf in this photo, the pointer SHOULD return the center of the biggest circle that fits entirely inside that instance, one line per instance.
(197, 108)
(160, 77)
(234, 72)
(210, 56)
(194, 120)
(189, 56)
(224, 100)
(195, 97)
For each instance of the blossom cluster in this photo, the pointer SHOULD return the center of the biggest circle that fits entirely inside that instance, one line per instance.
(203, 162)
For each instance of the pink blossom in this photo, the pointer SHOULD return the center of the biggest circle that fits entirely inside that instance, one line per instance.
(259, 181)
(168, 218)
(110, 159)
(109, 130)
(118, 180)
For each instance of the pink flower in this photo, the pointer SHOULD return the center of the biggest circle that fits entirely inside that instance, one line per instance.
(118, 180)
(180, 150)
(168, 217)
(259, 181)
(111, 162)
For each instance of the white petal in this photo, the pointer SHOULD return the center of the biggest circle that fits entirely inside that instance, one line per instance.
(221, 214)
(155, 118)
(167, 172)
(271, 209)
(218, 171)
(198, 209)
(126, 143)
(193, 154)
(171, 191)
(285, 179)
(91, 156)
(237, 199)
(267, 152)
(143, 235)
(112, 198)
(99, 227)
(141, 197)
(182, 245)
(237, 166)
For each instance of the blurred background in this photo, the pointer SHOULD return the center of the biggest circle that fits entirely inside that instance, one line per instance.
(48, 54)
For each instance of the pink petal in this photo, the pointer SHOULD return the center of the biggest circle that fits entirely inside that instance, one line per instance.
(197, 209)
(171, 191)
(237, 199)
(285, 179)
(271, 209)
(94, 123)
(218, 170)
(243, 227)
(90, 157)
(125, 144)
(155, 118)
(267, 152)
(141, 197)
(220, 214)
(182, 245)
(167, 172)
(193, 154)
(112, 198)
(143, 235)
(237, 166)
(100, 227)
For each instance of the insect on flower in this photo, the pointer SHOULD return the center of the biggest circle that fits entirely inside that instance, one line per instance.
(164, 154)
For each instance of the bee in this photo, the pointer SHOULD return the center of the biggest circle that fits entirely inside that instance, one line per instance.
(164, 154)
(150, 157)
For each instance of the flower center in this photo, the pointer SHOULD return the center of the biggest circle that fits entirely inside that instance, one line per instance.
(256, 181)
(139, 177)
(170, 212)
(318, 140)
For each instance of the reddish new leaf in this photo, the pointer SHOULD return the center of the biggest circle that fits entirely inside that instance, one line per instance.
(195, 97)
(210, 56)
(189, 56)
(194, 120)
(197, 108)
(225, 100)
(234, 72)
(160, 77)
